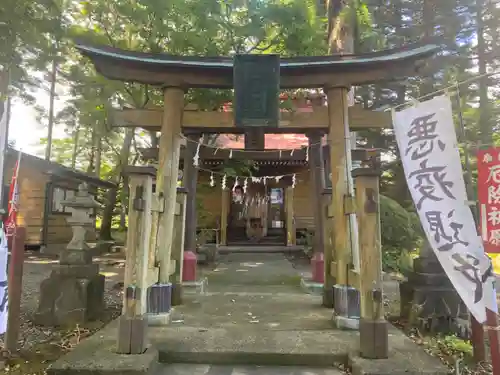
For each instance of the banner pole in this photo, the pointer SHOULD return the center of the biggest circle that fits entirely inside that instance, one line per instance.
(478, 340)
(16, 265)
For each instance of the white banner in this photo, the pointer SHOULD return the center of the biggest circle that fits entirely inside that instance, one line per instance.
(427, 143)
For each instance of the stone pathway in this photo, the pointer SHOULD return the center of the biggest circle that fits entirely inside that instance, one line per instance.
(254, 315)
(253, 320)
(253, 272)
(258, 290)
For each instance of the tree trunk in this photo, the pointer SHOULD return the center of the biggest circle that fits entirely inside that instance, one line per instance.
(111, 195)
(124, 204)
(76, 137)
(484, 104)
(91, 166)
(98, 156)
(428, 23)
(52, 98)
(340, 29)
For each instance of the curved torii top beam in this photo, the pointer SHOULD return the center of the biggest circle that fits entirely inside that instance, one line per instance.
(296, 72)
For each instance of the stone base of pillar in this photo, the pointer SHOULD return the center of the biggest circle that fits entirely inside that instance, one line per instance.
(342, 322)
(346, 307)
(189, 266)
(318, 267)
(374, 339)
(159, 298)
(429, 300)
(72, 294)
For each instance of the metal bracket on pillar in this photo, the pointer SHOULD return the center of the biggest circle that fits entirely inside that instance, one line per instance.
(329, 211)
(138, 203)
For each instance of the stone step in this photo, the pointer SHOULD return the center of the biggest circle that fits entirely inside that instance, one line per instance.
(259, 249)
(238, 346)
(322, 349)
(204, 369)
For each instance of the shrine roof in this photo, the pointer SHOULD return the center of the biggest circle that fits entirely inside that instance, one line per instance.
(217, 72)
(272, 141)
(58, 170)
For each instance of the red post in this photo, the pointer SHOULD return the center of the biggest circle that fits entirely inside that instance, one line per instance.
(318, 268)
(15, 287)
(494, 338)
(477, 340)
(189, 266)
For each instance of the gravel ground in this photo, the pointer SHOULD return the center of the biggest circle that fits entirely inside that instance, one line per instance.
(37, 268)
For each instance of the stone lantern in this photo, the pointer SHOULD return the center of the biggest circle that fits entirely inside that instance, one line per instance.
(74, 292)
(82, 206)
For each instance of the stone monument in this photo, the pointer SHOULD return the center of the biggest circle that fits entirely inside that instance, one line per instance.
(428, 299)
(74, 292)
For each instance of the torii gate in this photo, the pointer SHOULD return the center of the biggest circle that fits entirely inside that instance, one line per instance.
(335, 74)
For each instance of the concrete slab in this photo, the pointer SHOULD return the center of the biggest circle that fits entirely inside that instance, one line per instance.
(96, 355)
(278, 311)
(273, 329)
(255, 315)
(237, 346)
(253, 270)
(160, 319)
(259, 249)
(310, 286)
(202, 369)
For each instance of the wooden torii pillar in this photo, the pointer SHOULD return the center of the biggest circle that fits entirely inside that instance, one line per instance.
(317, 178)
(166, 179)
(190, 180)
(342, 202)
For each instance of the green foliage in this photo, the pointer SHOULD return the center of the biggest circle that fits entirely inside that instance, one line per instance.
(401, 234)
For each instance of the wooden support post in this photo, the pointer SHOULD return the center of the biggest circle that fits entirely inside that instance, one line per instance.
(373, 328)
(168, 169)
(328, 243)
(290, 221)
(190, 180)
(337, 114)
(225, 202)
(178, 248)
(317, 186)
(133, 322)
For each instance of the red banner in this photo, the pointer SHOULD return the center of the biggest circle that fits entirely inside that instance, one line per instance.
(488, 192)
